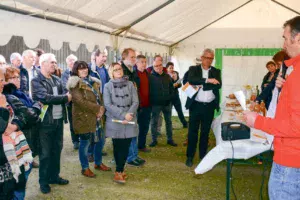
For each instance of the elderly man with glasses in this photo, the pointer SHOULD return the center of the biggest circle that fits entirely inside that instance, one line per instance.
(48, 90)
(203, 104)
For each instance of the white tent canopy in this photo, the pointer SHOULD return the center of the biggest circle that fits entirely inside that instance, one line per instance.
(161, 21)
(180, 27)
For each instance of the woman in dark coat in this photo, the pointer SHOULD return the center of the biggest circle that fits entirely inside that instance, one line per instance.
(23, 105)
(7, 181)
(272, 74)
(87, 112)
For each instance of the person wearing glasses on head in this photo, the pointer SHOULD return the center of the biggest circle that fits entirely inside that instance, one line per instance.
(121, 103)
(87, 116)
(203, 104)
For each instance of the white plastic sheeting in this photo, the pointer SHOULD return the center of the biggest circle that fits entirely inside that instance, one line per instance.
(168, 25)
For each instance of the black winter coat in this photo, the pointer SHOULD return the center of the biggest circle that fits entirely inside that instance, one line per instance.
(161, 89)
(194, 77)
(42, 91)
(127, 72)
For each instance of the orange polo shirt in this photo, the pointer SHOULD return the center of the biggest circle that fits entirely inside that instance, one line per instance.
(286, 125)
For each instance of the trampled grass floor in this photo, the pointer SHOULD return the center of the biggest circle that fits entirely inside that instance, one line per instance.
(163, 177)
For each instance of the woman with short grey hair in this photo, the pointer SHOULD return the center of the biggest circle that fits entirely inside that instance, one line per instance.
(121, 104)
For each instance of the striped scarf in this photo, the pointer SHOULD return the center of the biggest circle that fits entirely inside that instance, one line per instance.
(97, 135)
(17, 152)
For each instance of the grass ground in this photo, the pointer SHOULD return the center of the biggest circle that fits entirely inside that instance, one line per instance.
(164, 176)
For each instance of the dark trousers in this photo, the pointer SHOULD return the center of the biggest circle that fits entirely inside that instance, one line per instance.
(177, 104)
(167, 112)
(121, 149)
(75, 137)
(200, 113)
(32, 137)
(144, 116)
(51, 141)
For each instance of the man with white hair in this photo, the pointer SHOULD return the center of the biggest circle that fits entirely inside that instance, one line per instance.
(2, 61)
(203, 104)
(27, 70)
(70, 60)
(15, 59)
(48, 90)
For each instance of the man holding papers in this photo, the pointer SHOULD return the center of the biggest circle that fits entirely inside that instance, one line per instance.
(202, 104)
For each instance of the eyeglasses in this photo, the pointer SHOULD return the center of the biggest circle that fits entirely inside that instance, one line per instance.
(82, 68)
(119, 69)
(14, 78)
(208, 58)
(2, 63)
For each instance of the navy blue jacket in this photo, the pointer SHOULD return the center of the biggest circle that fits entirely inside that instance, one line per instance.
(24, 79)
(161, 89)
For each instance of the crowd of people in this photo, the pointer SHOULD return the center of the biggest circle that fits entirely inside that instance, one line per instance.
(121, 102)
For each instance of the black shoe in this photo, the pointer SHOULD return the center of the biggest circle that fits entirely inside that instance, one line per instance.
(35, 164)
(172, 143)
(134, 163)
(140, 160)
(91, 158)
(145, 150)
(153, 144)
(59, 181)
(76, 145)
(104, 153)
(189, 162)
(45, 189)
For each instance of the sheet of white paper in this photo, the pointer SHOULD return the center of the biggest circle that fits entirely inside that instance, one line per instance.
(120, 121)
(240, 96)
(190, 91)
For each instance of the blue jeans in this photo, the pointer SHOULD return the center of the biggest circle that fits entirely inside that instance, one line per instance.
(284, 183)
(83, 150)
(20, 194)
(133, 150)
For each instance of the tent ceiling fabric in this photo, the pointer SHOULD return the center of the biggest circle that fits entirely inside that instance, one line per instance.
(175, 21)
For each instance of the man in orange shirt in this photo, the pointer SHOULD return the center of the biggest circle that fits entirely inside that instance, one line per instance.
(284, 180)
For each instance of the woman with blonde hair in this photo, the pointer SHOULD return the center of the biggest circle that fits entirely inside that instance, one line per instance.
(121, 104)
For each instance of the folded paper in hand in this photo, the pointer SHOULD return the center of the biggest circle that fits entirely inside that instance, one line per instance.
(190, 90)
(120, 121)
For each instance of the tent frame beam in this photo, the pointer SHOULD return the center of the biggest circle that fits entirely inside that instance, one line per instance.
(40, 16)
(223, 16)
(286, 7)
(125, 28)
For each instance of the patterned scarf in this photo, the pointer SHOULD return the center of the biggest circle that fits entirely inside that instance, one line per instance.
(97, 135)
(17, 152)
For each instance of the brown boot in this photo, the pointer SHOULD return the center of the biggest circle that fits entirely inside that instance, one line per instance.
(119, 178)
(88, 173)
(185, 143)
(124, 175)
(102, 167)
